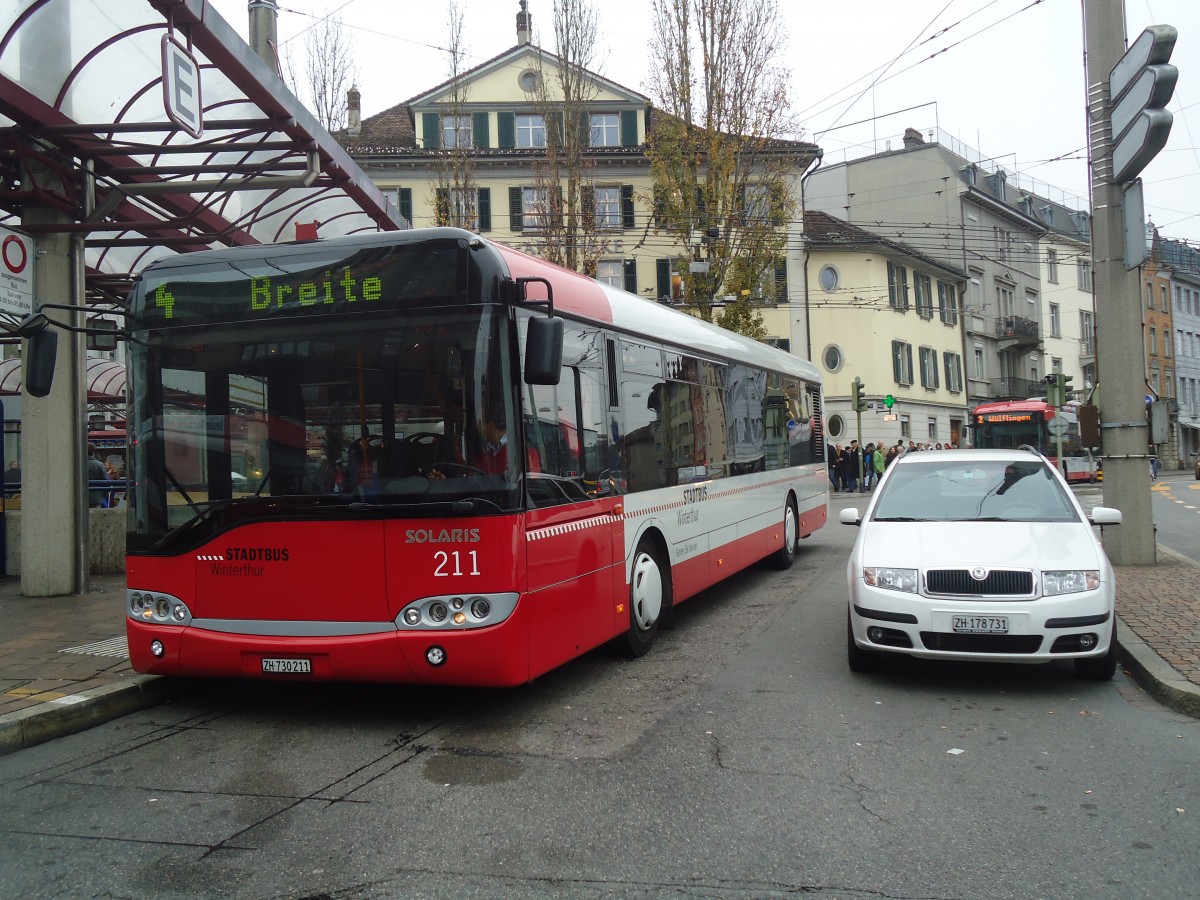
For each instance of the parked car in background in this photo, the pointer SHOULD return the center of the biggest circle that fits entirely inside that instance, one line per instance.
(980, 555)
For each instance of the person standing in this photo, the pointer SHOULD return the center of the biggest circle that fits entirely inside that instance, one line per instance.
(833, 462)
(95, 472)
(850, 460)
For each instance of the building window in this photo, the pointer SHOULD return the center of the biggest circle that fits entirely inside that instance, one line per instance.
(933, 429)
(980, 367)
(759, 205)
(1087, 333)
(953, 365)
(1149, 295)
(923, 295)
(1084, 271)
(902, 362)
(1052, 266)
(905, 427)
(531, 132)
(456, 131)
(897, 286)
(948, 302)
(1153, 342)
(534, 208)
(1055, 326)
(929, 368)
(1004, 239)
(612, 272)
(606, 130)
(829, 279)
(1005, 300)
(832, 358)
(608, 207)
(975, 289)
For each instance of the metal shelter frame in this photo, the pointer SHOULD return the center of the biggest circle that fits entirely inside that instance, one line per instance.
(85, 130)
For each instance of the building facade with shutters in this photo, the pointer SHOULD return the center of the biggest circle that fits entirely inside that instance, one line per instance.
(492, 122)
(887, 314)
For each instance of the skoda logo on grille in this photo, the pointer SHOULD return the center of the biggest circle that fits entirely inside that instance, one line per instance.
(979, 573)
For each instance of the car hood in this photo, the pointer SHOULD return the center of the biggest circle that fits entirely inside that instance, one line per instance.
(939, 545)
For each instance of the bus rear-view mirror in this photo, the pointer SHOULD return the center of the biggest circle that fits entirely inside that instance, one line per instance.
(543, 350)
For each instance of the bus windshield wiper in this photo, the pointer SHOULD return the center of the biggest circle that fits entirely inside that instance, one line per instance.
(203, 512)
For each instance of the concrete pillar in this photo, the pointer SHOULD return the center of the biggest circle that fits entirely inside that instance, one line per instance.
(54, 538)
(1121, 350)
(264, 31)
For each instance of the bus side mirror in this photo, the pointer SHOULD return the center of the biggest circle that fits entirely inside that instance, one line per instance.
(41, 354)
(543, 350)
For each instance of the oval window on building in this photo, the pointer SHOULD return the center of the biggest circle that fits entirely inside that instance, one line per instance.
(530, 81)
(832, 358)
(836, 426)
(829, 279)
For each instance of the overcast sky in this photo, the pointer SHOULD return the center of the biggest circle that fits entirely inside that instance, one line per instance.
(1004, 77)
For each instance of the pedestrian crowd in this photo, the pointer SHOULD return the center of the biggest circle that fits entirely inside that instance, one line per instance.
(843, 462)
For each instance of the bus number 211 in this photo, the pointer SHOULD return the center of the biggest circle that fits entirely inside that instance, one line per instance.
(449, 564)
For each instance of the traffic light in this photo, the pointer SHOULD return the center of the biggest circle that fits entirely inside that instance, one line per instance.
(1052, 397)
(1139, 87)
(859, 400)
(1064, 388)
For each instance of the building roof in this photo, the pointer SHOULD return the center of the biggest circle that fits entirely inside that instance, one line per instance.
(826, 232)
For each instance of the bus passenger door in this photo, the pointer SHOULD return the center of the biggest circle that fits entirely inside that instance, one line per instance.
(572, 534)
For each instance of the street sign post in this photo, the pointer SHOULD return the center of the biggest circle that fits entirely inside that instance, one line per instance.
(17, 254)
(1139, 86)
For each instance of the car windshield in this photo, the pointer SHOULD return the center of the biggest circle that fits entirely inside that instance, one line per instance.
(964, 490)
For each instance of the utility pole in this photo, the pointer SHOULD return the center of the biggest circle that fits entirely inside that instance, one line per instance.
(1121, 347)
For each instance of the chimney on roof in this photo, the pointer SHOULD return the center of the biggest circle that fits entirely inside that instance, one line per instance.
(264, 31)
(912, 138)
(524, 23)
(353, 112)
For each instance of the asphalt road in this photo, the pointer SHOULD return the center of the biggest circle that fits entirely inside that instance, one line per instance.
(739, 759)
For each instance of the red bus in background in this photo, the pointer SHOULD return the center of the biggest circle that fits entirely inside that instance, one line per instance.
(1008, 424)
(423, 457)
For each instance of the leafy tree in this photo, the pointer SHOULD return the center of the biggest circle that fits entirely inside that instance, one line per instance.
(723, 170)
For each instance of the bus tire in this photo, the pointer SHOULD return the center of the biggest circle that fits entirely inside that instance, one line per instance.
(786, 555)
(649, 595)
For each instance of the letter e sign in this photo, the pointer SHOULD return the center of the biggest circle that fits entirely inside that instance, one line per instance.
(181, 87)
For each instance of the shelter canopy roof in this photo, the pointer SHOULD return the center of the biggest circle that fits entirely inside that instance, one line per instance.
(84, 130)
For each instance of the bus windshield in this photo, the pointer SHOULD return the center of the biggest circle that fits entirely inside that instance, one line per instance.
(365, 415)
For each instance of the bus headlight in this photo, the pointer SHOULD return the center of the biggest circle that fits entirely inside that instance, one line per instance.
(456, 612)
(161, 609)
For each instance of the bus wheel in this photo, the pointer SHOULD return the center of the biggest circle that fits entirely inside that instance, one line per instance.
(649, 594)
(786, 555)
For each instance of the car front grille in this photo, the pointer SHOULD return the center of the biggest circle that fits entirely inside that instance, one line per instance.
(981, 643)
(998, 583)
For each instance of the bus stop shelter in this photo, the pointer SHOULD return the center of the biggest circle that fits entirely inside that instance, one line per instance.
(132, 129)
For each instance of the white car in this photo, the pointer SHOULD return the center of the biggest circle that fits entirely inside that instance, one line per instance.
(980, 555)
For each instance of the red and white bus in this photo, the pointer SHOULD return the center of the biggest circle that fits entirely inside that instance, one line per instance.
(1008, 424)
(314, 435)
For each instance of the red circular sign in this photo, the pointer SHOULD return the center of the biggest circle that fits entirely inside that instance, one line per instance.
(13, 248)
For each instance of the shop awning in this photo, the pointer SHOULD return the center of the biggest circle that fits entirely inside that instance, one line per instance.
(105, 380)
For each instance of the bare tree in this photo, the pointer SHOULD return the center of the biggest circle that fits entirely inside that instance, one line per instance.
(329, 71)
(722, 168)
(455, 192)
(572, 236)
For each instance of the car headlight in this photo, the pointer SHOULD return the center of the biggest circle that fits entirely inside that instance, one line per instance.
(1069, 582)
(891, 579)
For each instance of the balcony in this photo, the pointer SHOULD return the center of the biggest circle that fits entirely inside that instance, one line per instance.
(1016, 388)
(1017, 331)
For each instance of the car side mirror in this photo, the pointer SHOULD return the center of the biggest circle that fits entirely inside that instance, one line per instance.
(1105, 515)
(850, 516)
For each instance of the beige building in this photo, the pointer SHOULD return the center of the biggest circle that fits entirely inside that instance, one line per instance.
(889, 315)
(493, 116)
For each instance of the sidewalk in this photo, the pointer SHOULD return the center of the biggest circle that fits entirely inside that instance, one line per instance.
(64, 663)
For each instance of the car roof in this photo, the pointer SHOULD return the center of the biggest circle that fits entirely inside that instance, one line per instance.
(951, 456)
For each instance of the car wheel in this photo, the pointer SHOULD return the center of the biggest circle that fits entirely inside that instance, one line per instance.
(649, 595)
(786, 555)
(1099, 668)
(860, 660)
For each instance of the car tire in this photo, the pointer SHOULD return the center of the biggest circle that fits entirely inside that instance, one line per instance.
(649, 595)
(1099, 668)
(860, 660)
(783, 558)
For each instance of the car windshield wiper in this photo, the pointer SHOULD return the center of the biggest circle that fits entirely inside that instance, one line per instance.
(899, 519)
